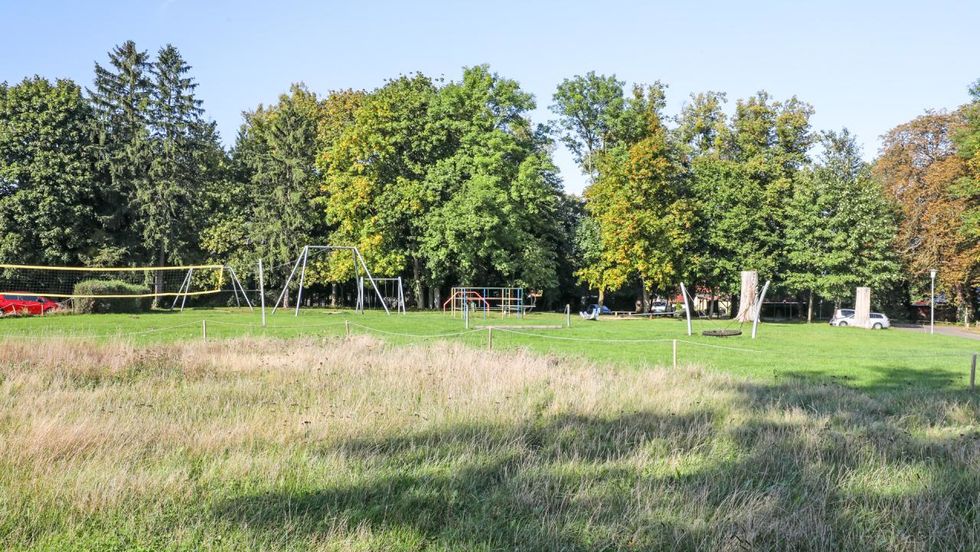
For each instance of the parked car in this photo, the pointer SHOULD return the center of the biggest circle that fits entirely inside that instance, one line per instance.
(841, 314)
(845, 317)
(660, 306)
(11, 303)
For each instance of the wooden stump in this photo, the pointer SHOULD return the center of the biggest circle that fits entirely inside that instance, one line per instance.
(748, 295)
(862, 307)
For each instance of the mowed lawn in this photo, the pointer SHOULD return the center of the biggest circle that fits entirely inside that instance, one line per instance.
(873, 360)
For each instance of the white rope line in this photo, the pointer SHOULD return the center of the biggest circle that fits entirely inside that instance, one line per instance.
(740, 349)
(260, 326)
(595, 340)
(423, 336)
(96, 336)
(583, 339)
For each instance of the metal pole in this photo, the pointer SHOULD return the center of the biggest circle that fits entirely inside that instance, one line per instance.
(687, 308)
(262, 291)
(401, 296)
(932, 302)
(204, 329)
(180, 289)
(466, 316)
(758, 309)
(286, 286)
(190, 273)
(302, 278)
(235, 280)
(675, 353)
(489, 338)
(371, 278)
(568, 315)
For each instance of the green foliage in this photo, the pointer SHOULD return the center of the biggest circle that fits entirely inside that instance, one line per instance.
(105, 305)
(49, 187)
(842, 226)
(452, 183)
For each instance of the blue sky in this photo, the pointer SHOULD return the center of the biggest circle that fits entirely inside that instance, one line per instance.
(864, 65)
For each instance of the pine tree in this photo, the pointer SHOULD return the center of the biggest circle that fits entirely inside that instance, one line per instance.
(121, 99)
(167, 200)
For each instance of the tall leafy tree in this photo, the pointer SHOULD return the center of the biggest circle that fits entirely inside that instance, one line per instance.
(921, 170)
(49, 186)
(593, 116)
(501, 223)
(375, 177)
(637, 203)
(967, 141)
(841, 227)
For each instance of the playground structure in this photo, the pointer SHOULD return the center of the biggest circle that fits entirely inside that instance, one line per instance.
(393, 296)
(505, 300)
(300, 266)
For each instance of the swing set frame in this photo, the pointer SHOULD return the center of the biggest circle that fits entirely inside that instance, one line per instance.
(300, 266)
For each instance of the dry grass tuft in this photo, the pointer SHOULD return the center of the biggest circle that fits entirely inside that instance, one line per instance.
(350, 444)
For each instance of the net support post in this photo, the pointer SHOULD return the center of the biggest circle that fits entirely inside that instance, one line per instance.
(302, 279)
(687, 308)
(262, 291)
(758, 309)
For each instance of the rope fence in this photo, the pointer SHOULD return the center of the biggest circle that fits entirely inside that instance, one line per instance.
(489, 331)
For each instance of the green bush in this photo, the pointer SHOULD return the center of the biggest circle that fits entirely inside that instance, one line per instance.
(88, 305)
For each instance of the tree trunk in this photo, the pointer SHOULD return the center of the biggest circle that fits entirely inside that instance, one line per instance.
(644, 297)
(417, 283)
(602, 296)
(964, 304)
(809, 308)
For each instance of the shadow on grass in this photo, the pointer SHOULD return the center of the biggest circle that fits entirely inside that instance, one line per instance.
(800, 468)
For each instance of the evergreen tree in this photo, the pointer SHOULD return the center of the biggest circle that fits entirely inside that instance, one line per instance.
(185, 156)
(121, 98)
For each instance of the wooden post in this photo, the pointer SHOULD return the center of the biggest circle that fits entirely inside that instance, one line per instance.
(973, 373)
(862, 307)
(204, 329)
(675, 353)
(747, 297)
(489, 338)
(262, 292)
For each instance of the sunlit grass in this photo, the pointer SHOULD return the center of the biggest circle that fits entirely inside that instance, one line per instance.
(352, 444)
(889, 359)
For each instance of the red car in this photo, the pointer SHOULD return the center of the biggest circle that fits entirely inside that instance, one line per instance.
(18, 303)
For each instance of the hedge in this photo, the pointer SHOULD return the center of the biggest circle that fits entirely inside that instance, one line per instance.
(88, 305)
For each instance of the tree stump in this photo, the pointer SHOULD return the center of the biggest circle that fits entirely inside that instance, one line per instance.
(748, 296)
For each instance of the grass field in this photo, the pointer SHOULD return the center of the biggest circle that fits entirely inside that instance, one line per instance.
(294, 437)
(337, 444)
(880, 360)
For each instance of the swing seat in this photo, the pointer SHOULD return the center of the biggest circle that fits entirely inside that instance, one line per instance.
(721, 333)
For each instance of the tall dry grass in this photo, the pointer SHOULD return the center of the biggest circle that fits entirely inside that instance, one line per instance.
(350, 444)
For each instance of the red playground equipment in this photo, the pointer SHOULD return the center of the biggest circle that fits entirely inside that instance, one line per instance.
(505, 300)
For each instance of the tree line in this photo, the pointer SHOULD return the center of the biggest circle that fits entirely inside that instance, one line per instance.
(451, 182)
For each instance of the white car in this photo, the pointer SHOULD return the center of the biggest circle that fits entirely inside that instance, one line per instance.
(845, 317)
